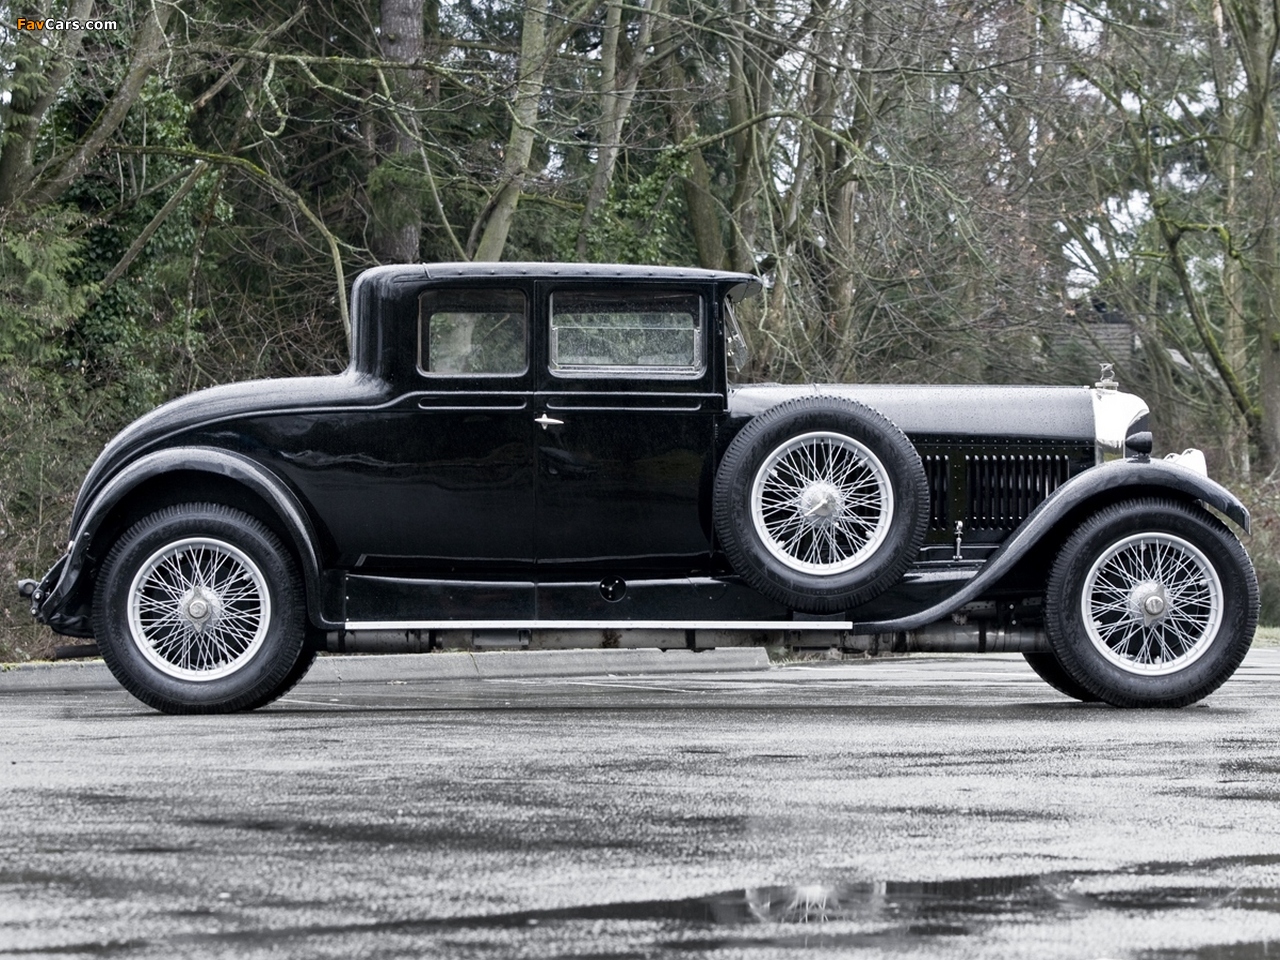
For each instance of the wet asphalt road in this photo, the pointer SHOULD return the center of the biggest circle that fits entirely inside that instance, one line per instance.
(940, 807)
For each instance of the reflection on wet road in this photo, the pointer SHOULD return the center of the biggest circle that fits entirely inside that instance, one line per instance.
(923, 807)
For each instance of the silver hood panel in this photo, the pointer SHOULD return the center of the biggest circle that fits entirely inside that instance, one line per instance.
(1043, 413)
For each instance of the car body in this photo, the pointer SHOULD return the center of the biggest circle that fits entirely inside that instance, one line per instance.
(523, 448)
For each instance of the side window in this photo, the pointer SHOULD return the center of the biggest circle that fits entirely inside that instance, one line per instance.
(472, 333)
(628, 334)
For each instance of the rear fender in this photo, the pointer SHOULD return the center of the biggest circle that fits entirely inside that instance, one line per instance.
(52, 599)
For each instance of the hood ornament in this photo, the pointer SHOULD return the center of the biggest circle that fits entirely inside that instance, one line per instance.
(1108, 381)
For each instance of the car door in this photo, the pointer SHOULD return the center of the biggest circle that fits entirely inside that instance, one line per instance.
(626, 417)
(472, 428)
(447, 470)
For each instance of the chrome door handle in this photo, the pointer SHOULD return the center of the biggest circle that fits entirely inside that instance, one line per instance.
(547, 421)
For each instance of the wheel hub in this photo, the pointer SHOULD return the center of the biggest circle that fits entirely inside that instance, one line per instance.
(1149, 602)
(821, 502)
(200, 608)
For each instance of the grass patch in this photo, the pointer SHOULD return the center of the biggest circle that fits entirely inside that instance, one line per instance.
(1267, 637)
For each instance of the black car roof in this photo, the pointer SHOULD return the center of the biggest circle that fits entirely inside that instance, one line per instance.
(568, 271)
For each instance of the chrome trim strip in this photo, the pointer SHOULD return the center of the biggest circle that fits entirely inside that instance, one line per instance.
(354, 626)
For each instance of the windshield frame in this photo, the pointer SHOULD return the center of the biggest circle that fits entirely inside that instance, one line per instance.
(736, 350)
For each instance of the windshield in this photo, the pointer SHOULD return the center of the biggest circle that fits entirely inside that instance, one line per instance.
(735, 343)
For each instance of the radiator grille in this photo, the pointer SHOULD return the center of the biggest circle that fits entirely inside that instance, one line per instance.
(1003, 490)
(937, 470)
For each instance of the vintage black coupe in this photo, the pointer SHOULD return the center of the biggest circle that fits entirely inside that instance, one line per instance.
(549, 453)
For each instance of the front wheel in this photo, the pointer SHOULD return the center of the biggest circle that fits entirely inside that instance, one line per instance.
(1151, 603)
(199, 609)
(1048, 669)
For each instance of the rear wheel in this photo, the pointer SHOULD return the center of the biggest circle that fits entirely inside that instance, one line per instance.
(1151, 603)
(199, 609)
(1048, 669)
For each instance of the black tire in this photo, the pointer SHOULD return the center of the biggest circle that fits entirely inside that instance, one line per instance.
(198, 608)
(306, 660)
(1048, 669)
(1173, 600)
(811, 457)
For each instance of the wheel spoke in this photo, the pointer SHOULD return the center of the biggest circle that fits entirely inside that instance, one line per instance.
(1119, 587)
(233, 592)
(821, 503)
(1110, 606)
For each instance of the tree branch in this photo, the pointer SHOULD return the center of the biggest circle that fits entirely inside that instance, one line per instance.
(236, 67)
(258, 173)
(148, 231)
(22, 116)
(150, 38)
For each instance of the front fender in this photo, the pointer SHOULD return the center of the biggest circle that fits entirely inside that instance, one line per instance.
(49, 603)
(1151, 477)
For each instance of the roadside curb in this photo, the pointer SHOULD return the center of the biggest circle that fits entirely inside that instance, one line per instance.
(451, 665)
(82, 675)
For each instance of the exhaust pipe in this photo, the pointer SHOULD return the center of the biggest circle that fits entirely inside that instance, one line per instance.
(949, 637)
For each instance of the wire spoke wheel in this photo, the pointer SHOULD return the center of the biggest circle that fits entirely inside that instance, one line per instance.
(1152, 604)
(822, 503)
(199, 609)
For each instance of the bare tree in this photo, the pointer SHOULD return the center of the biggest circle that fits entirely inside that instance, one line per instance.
(38, 81)
(617, 91)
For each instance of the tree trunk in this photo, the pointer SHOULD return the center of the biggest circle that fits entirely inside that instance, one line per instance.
(1253, 24)
(524, 118)
(704, 218)
(33, 89)
(1267, 269)
(745, 143)
(616, 95)
(397, 227)
(72, 165)
(1233, 280)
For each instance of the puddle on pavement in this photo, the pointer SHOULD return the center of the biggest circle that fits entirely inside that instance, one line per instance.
(932, 917)
(895, 914)
(1254, 950)
(889, 914)
(811, 905)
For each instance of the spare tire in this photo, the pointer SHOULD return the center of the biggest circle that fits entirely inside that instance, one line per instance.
(820, 503)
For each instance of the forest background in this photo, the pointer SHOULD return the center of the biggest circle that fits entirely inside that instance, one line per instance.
(966, 191)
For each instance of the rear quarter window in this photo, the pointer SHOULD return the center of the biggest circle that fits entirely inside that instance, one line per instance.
(468, 333)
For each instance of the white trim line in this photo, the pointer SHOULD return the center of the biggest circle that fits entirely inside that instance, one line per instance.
(354, 626)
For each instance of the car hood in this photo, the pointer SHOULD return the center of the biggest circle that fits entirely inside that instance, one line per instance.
(209, 406)
(1049, 413)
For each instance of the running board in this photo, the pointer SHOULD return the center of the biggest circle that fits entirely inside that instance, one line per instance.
(355, 626)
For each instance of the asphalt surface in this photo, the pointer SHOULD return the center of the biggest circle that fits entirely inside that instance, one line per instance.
(928, 806)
